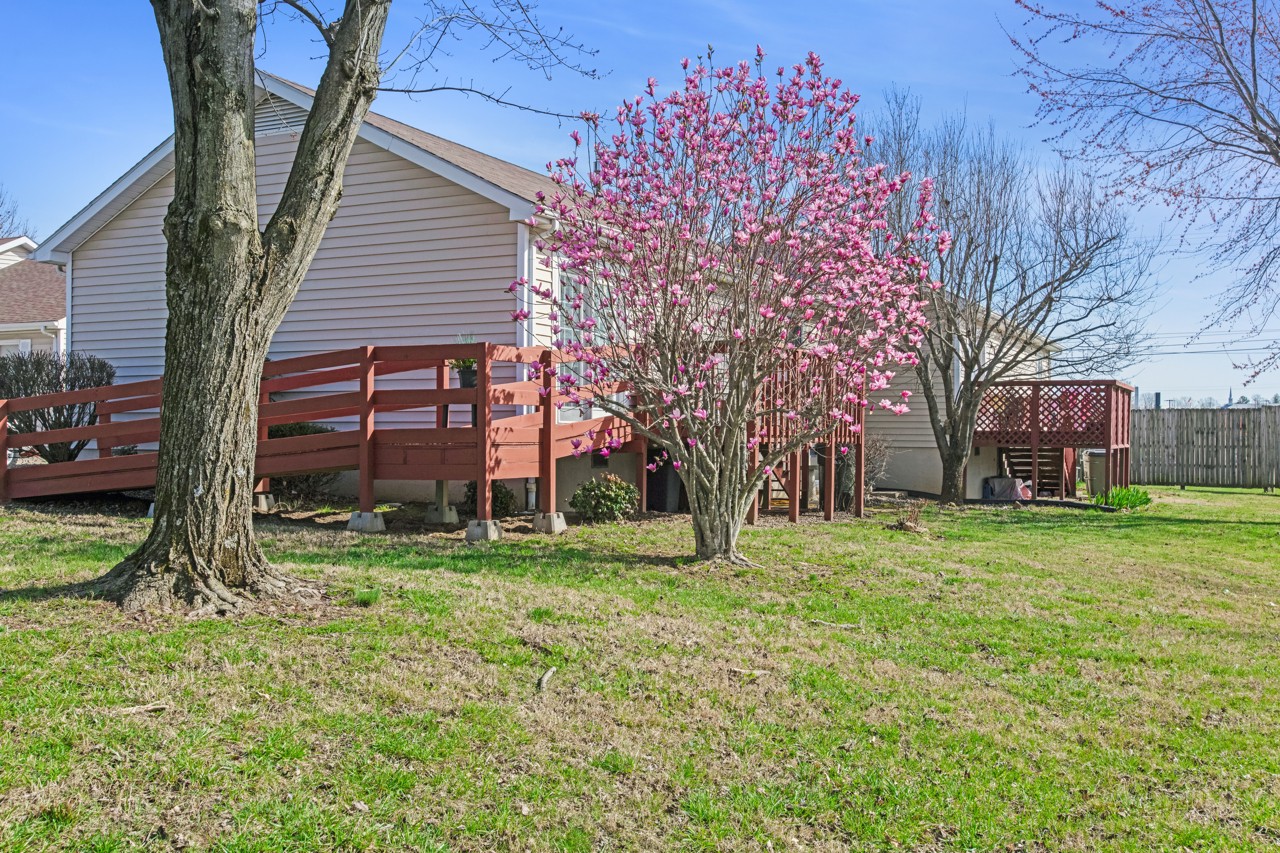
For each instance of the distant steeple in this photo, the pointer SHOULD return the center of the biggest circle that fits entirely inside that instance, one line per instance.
(1231, 396)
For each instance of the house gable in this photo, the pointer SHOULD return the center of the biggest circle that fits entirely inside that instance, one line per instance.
(15, 249)
(409, 258)
(281, 110)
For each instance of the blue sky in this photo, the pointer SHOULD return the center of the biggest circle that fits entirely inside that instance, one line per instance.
(85, 96)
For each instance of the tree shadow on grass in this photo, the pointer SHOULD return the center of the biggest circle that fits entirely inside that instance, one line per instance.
(521, 559)
(1124, 521)
(33, 594)
(1222, 490)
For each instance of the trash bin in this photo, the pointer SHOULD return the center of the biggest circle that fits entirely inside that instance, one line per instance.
(1095, 471)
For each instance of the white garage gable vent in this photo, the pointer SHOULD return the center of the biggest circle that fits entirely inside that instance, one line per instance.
(276, 115)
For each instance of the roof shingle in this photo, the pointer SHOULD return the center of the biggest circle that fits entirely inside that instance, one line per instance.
(516, 180)
(32, 292)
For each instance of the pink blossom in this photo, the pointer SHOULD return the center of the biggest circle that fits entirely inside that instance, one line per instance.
(724, 244)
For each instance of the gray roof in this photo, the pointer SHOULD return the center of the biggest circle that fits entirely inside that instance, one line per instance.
(32, 292)
(506, 183)
(516, 180)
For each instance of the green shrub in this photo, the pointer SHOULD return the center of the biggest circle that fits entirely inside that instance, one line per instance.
(302, 485)
(504, 501)
(607, 498)
(1124, 497)
(30, 374)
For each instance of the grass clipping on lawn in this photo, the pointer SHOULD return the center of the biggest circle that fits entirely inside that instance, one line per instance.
(1034, 679)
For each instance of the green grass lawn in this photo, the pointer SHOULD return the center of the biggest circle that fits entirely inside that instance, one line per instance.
(1014, 679)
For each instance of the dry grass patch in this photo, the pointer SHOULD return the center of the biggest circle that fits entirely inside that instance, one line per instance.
(865, 688)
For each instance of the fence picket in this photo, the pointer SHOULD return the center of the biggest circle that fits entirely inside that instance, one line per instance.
(1206, 447)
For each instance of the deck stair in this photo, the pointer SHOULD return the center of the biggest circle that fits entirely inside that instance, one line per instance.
(1056, 469)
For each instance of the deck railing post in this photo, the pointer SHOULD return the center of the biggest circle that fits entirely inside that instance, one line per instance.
(1035, 441)
(547, 439)
(367, 425)
(4, 451)
(1126, 416)
(483, 527)
(484, 486)
(1108, 477)
(105, 447)
(753, 455)
(365, 519)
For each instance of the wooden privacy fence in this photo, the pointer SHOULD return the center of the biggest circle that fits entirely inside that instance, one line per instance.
(1237, 448)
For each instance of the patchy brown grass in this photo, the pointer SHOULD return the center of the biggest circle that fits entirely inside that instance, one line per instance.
(864, 688)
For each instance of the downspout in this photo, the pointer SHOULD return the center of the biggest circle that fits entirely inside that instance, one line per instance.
(66, 334)
(524, 337)
(44, 330)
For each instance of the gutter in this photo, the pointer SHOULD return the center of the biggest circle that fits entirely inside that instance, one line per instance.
(17, 327)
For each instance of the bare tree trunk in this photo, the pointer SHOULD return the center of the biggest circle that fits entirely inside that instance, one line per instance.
(228, 287)
(953, 485)
(202, 551)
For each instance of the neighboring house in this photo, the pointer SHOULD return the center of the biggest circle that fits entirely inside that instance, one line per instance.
(423, 249)
(915, 464)
(32, 300)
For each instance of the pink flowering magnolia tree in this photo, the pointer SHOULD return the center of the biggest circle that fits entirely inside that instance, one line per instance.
(724, 258)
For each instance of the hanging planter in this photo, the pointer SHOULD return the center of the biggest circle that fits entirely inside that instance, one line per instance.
(466, 370)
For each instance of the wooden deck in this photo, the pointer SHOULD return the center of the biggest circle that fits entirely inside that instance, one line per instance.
(516, 433)
(1059, 414)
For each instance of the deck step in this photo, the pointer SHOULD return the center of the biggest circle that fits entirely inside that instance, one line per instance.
(1016, 462)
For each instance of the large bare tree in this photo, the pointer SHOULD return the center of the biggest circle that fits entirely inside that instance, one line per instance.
(230, 279)
(12, 223)
(1176, 101)
(1041, 267)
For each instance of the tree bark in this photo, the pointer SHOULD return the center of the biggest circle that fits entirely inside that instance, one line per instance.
(718, 484)
(953, 485)
(717, 522)
(228, 286)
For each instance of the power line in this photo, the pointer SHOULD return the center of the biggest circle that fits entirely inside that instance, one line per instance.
(1246, 351)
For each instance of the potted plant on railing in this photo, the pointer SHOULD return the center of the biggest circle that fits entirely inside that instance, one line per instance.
(466, 370)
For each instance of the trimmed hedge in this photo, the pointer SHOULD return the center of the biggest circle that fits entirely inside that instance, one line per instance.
(302, 485)
(30, 374)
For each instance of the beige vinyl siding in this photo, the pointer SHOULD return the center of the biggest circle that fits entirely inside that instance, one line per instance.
(12, 256)
(913, 430)
(545, 277)
(410, 258)
(275, 115)
(909, 430)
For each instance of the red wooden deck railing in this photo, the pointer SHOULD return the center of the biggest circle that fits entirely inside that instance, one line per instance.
(779, 392)
(501, 444)
(1069, 413)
